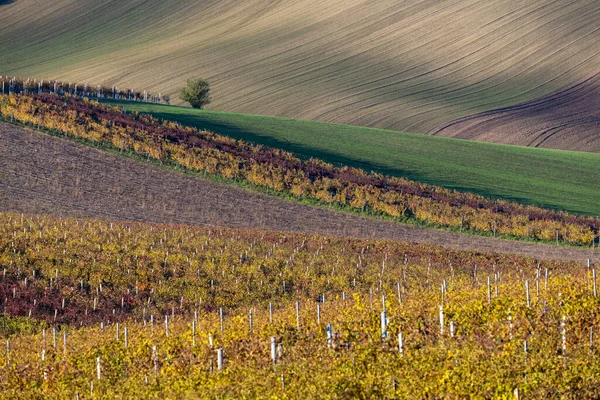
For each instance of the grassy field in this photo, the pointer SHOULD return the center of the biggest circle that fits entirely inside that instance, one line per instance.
(408, 66)
(551, 178)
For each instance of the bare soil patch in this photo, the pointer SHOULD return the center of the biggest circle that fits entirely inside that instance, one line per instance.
(567, 119)
(403, 65)
(41, 174)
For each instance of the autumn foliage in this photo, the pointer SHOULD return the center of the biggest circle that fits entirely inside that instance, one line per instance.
(145, 301)
(281, 171)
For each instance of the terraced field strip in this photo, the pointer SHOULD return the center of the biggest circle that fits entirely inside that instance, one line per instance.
(556, 179)
(566, 119)
(41, 174)
(409, 65)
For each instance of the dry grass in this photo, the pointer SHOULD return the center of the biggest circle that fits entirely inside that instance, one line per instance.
(41, 174)
(409, 65)
(567, 119)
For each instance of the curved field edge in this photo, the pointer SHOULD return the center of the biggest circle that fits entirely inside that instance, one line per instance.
(281, 171)
(560, 180)
(408, 66)
(565, 119)
(271, 168)
(42, 174)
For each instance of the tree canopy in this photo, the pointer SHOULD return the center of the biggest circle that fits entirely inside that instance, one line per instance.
(196, 92)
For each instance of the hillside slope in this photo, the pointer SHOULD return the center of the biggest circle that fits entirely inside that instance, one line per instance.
(561, 180)
(48, 175)
(409, 65)
(566, 119)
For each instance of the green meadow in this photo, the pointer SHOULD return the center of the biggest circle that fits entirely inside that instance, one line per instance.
(550, 178)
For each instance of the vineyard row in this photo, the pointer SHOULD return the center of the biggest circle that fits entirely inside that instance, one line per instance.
(281, 171)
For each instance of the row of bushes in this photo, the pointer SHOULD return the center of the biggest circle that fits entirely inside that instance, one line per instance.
(283, 172)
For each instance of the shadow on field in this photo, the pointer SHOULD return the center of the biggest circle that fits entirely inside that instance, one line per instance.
(305, 152)
(5, 2)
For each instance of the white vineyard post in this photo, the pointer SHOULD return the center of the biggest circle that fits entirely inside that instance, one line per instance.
(496, 283)
(155, 360)
(219, 359)
(126, 337)
(452, 329)
(384, 320)
(527, 293)
(194, 332)
(489, 291)
(441, 320)
(594, 282)
(221, 317)
(442, 289)
(167, 325)
(273, 350)
(298, 314)
(98, 368)
(400, 344)
(318, 314)
(270, 313)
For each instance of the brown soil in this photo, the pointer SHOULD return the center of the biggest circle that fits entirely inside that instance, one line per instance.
(41, 174)
(406, 65)
(567, 119)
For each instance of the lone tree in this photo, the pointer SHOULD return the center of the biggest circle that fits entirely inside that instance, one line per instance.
(197, 92)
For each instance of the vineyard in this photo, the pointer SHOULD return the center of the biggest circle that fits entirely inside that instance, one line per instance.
(282, 172)
(34, 86)
(98, 309)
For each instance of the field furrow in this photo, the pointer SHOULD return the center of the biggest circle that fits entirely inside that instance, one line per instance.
(410, 65)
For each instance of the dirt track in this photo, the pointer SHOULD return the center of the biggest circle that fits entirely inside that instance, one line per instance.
(567, 119)
(44, 174)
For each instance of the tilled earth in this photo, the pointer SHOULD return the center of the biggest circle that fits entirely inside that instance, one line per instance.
(41, 174)
(567, 119)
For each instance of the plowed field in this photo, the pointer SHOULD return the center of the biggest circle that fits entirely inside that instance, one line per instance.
(410, 65)
(47, 175)
(567, 119)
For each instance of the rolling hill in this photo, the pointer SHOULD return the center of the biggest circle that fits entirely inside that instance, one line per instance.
(41, 174)
(566, 119)
(410, 65)
(563, 180)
